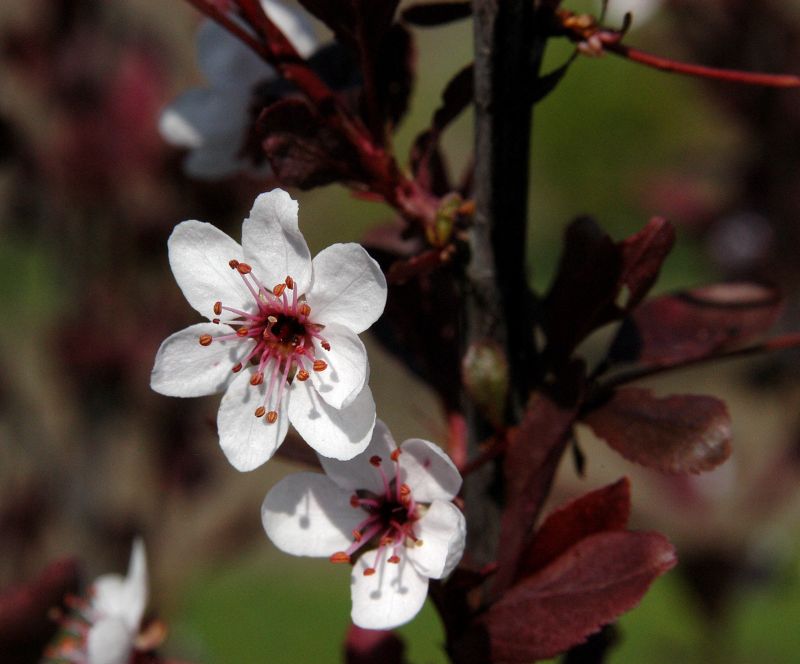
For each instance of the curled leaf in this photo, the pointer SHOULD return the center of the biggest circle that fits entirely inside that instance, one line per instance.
(676, 434)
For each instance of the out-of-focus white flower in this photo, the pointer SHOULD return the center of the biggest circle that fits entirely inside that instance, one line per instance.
(641, 10)
(283, 338)
(389, 509)
(214, 122)
(104, 628)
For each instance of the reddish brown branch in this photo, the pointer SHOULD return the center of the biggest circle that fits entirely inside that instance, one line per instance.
(690, 69)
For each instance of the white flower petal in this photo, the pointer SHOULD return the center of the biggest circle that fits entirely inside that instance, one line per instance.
(109, 642)
(340, 434)
(442, 531)
(124, 598)
(358, 472)
(249, 441)
(293, 24)
(428, 471)
(341, 382)
(198, 255)
(390, 597)
(348, 288)
(184, 368)
(307, 514)
(273, 244)
(226, 61)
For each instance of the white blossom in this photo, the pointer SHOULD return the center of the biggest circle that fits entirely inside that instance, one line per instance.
(213, 122)
(389, 511)
(282, 342)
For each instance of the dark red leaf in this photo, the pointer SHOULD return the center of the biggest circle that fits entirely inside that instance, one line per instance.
(589, 585)
(642, 256)
(393, 75)
(302, 149)
(25, 624)
(369, 646)
(584, 289)
(694, 323)
(675, 434)
(601, 510)
(436, 13)
(534, 450)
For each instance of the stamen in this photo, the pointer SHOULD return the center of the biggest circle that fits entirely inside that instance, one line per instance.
(289, 283)
(375, 461)
(355, 501)
(278, 290)
(302, 375)
(304, 310)
(215, 321)
(237, 368)
(257, 378)
(272, 417)
(320, 365)
(339, 557)
(395, 559)
(369, 571)
(244, 268)
(395, 455)
(217, 307)
(357, 535)
(206, 339)
(325, 345)
(260, 411)
(242, 331)
(233, 263)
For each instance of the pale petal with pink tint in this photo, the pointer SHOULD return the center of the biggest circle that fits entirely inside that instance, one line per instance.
(308, 514)
(358, 472)
(428, 470)
(442, 532)
(390, 597)
(343, 379)
(272, 241)
(199, 255)
(249, 441)
(332, 432)
(349, 287)
(184, 368)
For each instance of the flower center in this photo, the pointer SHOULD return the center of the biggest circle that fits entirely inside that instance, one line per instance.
(283, 333)
(389, 521)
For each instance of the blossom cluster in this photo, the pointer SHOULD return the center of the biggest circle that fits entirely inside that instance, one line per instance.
(281, 343)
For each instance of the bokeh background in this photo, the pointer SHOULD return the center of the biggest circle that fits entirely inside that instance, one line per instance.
(89, 192)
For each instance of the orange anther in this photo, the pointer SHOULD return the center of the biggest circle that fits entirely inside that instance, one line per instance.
(244, 268)
(289, 282)
(206, 339)
(304, 309)
(320, 365)
(339, 557)
(325, 345)
(369, 571)
(257, 378)
(233, 263)
(215, 321)
(302, 375)
(237, 368)
(405, 490)
(260, 411)
(375, 460)
(242, 332)
(395, 454)
(394, 560)
(355, 501)
(278, 290)
(217, 307)
(272, 417)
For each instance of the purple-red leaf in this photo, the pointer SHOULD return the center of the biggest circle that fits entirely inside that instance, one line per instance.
(676, 434)
(695, 323)
(436, 13)
(589, 585)
(605, 509)
(534, 450)
(302, 149)
(642, 256)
